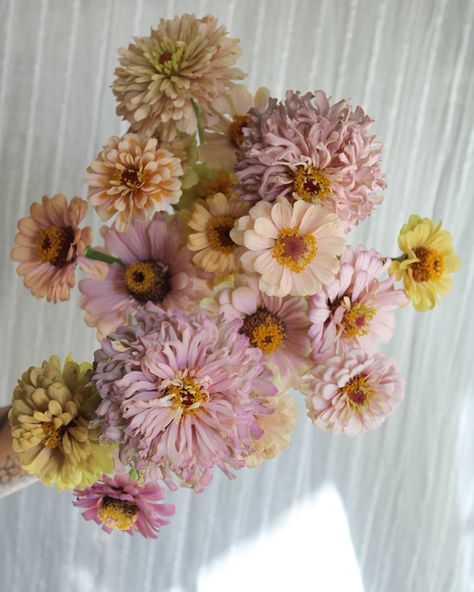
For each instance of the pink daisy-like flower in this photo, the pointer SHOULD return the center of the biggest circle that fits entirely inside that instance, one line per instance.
(133, 178)
(357, 308)
(352, 392)
(277, 326)
(224, 122)
(294, 248)
(120, 503)
(157, 268)
(50, 244)
(182, 392)
(307, 149)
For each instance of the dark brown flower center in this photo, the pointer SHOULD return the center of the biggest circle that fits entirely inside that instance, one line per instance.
(165, 57)
(53, 245)
(132, 178)
(218, 234)
(264, 329)
(236, 133)
(148, 281)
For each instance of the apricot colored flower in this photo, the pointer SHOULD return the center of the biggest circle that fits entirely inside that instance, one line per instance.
(429, 259)
(132, 178)
(50, 244)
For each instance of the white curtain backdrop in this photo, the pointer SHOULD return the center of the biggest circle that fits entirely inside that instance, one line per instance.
(390, 511)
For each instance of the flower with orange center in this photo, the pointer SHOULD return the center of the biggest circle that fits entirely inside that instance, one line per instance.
(49, 246)
(426, 264)
(132, 178)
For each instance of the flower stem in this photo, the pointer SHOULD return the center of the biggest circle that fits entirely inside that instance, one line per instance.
(197, 112)
(91, 253)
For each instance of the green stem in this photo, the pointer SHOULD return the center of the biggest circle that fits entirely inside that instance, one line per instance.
(197, 112)
(91, 253)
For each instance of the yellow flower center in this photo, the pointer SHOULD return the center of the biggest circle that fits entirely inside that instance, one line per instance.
(358, 393)
(186, 394)
(236, 133)
(132, 178)
(430, 265)
(117, 513)
(148, 280)
(265, 330)
(310, 184)
(356, 320)
(294, 251)
(54, 436)
(166, 60)
(53, 245)
(218, 234)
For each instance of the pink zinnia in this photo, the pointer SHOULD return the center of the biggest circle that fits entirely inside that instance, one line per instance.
(157, 268)
(305, 148)
(120, 503)
(352, 392)
(357, 308)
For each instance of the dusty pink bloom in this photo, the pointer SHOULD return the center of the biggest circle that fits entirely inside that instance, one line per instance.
(183, 60)
(277, 326)
(181, 392)
(352, 392)
(132, 178)
(293, 248)
(120, 503)
(50, 244)
(357, 308)
(305, 148)
(157, 268)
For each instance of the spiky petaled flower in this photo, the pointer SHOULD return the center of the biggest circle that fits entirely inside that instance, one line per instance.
(50, 244)
(429, 259)
(184, 59)
(49, 418)
(132, 179)
(120, 503)
(307, 149)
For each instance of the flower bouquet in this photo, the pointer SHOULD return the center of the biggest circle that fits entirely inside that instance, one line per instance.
(224, 281)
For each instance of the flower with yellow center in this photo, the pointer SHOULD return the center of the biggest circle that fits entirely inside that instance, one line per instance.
(265, 330)
(356, 319)
(426, 264)
(117, 514)
(293, 250)
(310, 184)
(148, 280)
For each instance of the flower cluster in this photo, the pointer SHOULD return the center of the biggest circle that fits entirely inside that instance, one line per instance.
(224, 281)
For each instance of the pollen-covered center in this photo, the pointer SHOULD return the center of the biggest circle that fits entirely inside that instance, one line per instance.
(358, 392)
(356, 320)
(264, 329)
(236, 133)
(293, 250)
(117, 513)
(148, 281)
(218, 234)
(132, 178)
(186, 394)
(53, 245)
(166, 60)
(311, 184)
(430, 265)
(53, 435)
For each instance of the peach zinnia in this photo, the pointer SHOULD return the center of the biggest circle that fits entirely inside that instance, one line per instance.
(294, 248)
(49, 245)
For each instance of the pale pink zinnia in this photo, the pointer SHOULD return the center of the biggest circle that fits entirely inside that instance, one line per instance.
(277, 326)
(357, 308)
(293, 248)
(50, 244)
(307, 149)
(352, 392)
(132, 178)
(120, 503)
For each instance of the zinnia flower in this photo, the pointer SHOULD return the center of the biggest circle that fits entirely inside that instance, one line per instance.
(120, 503)
(429, 259)
(277, 326)
(157, 268)
(133, 178)
(357, 308)
(49, 245)
(183, 60)
(294, 248)
(352, 392)
(224, 123)
(49, 418)
(182, 391)
(211, 181)
(306, 149)
(277, 430)
(212, 220)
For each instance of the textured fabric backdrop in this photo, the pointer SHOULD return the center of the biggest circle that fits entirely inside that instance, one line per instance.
(392, 510)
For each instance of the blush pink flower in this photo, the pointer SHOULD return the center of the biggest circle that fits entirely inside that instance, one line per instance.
(157, 268)
(293, 248)
(277, 326)
(357, 308)
(50, 244)
(352, 392)
(120, 503)
(307, 149)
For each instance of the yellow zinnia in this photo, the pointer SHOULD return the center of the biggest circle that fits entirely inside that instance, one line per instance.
(428, 259)
(50, 424)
